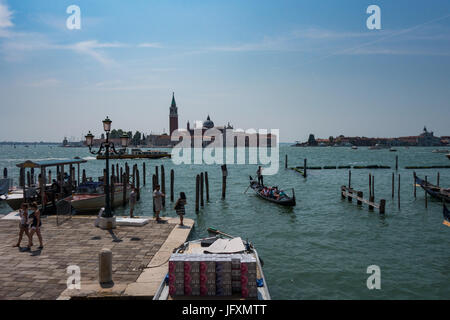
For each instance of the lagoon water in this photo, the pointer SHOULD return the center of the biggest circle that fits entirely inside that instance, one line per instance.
(321, 248)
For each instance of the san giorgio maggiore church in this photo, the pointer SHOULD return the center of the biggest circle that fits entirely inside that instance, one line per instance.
(163, 140)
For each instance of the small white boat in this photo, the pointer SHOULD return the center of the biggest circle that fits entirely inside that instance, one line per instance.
(377, 147)
(354, 147)
(392, 149)
(92, 199)
(201, 247)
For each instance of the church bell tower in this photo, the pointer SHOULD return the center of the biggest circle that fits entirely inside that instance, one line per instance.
(173, 116)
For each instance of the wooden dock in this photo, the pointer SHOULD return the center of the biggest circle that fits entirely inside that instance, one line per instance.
(42, 274)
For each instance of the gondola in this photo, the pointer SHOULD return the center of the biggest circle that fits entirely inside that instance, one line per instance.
(285, 201)
(433, 190)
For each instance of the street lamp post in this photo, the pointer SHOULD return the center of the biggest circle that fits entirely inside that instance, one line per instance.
(105, 148)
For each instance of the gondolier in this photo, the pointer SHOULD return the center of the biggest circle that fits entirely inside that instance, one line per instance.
(260, 176)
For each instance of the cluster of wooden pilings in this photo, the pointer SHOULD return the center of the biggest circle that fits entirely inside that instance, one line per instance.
(201, 184)
(132, 176)
(350, 193)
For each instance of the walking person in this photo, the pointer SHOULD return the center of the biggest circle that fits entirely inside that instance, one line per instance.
(36, 225)
(179, 207)
(260, 176)
(23, 225)
(157, 197)
(133, 196)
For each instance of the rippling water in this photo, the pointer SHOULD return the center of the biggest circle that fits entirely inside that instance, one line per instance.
(321, 248)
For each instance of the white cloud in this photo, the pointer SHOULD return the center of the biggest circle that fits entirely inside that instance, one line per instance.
(5, 16)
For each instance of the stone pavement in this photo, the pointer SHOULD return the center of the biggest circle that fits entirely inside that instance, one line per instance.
(42, 274)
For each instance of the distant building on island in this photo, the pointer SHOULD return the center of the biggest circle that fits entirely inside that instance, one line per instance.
(425, 139)
(163, 140)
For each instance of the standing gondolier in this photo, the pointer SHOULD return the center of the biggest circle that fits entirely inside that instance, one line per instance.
(260, 176)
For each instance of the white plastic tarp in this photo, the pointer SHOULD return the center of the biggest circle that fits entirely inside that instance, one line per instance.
(226, 246)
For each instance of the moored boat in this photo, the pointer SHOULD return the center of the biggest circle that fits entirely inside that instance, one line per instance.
(284, 200)
(90, 197)
(233, 265)
(434, 191)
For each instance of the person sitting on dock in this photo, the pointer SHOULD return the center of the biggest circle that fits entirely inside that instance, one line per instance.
(23, 225)
(179, 207)
(157, 197)
(132, 201)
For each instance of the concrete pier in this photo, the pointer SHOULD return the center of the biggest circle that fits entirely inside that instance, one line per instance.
(43, 274)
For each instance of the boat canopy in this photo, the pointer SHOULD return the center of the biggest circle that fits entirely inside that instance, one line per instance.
(49, 163)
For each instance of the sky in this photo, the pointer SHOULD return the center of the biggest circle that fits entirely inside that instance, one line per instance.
(298, 66)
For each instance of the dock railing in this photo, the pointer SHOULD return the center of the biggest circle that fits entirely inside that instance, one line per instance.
(351, 194)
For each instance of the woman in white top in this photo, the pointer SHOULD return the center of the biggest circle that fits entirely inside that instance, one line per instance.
(23, 225)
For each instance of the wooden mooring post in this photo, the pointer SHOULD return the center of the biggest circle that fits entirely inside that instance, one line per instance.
(426, 198)
(373, 186)
(202, 180)
(163, 185)
(286, 162)
(172, 181)
(305, 167)
(138, 185)
(398, 192)
(414, 179)
(396, 163)
(207, 186)
(438, 178)
(370, 185)
(224, 180)
(197, 185)
(157, 174)
(349, 178)
(144, 175)
(360, 196)
(393, 187)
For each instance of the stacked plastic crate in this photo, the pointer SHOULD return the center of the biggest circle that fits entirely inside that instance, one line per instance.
(236, 273)
(223, 276)
(248, 277)
(207, 276)
(176, 275)
(192, 275)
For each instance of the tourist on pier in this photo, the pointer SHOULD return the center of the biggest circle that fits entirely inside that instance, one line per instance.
(179, 207)
(260, 176)
(133, 197)
(23, 225)
(157, 197)
(35, 224)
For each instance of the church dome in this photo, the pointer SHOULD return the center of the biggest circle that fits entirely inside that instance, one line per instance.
(208, 124)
